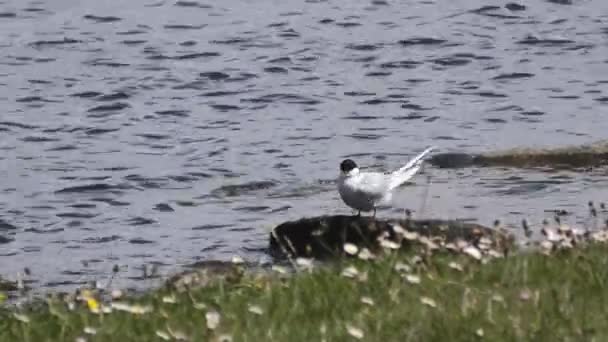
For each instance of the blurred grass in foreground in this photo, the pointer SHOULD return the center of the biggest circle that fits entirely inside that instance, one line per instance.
(398, 297)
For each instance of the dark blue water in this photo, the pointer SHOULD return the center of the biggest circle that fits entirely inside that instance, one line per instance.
(167, 132)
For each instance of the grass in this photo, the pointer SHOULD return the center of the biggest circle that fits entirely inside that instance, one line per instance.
(399, 297)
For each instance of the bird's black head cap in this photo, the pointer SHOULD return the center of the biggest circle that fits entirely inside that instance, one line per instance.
(347, 164)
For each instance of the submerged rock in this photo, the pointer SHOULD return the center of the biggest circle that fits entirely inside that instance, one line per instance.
(206, 273)
(452, 160)
(326, 236)
(589, 155)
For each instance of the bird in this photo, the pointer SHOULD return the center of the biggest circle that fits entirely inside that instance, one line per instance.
(364, 191)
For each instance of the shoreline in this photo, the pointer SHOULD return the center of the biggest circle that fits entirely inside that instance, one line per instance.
(393, 293)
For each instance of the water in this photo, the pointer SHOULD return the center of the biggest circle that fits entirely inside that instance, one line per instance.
(164, 133)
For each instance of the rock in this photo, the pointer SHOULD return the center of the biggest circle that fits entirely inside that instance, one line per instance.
(452, 160)
(325, 236)
(595, 154)
(590, 155)
(206, 273)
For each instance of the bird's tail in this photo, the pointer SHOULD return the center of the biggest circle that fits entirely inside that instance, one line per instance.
(408, 170)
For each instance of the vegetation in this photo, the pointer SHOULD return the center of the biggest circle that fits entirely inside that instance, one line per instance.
(401, 296)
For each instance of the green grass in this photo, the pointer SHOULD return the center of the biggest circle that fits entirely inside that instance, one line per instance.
(527, 297)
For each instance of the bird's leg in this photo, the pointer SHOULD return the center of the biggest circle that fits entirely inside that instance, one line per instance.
(374, 213)
(359, 213)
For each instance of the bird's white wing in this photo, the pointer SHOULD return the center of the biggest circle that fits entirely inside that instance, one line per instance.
(373, 184)
(408, 170)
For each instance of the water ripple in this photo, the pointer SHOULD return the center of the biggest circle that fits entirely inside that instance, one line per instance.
(124, 123)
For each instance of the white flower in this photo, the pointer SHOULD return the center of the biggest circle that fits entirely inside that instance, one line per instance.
(237, 260)
(350, 248)
(350, 272)
(354, 331)
(213, 319)
(90, 330)
(455, 266)
(412, 279)
(367, 301)
(365, 254)
(163, 335)
(428, 301)
(473, 252)
(254, 309)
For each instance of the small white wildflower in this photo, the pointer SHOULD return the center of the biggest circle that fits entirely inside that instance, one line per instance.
(350, 248)
(525, 295)
(430, 244)
(389, 244)
(304, 262)
(178, 335)
(224, 338)
(416, 259)
(170, 299)
(479, 332)
(237, 260)
(279, 269)
(546, 246)
(255, 309)
(365, 254)
(495, 254)
(350, 272)
(90, 330)
(485, 243)
(408, 235)
(428, 301)
(551, 235)
(455, 266)
(601, 236)
(354, 331)
(564, 229)
(398, 229)
(450, 246)
(367, 301)
(402, 268)
(498, 298)
(163, 335)
(199, 306)
(213, 319)
(473, 252)
(412, 279)
(461, 244)
(117, 294)
(21, 318)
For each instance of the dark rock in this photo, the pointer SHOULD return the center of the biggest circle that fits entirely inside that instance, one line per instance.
(325, 236)
(590, 155)
(452, 160)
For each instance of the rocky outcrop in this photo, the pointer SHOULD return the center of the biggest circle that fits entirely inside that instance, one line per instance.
(205, 274)
(590, 155)
(325, 236)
